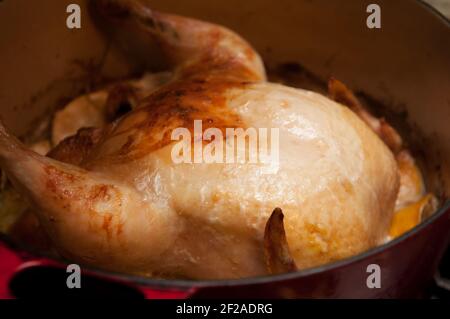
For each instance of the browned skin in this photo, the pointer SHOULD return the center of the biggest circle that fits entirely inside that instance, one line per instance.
(339, 92)
(206, 69)
(176, 105)
(74, 149)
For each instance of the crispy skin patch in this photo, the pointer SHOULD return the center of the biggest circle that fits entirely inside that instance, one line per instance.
(56, 178)
(99, 192)
(70, 187)
(150, 126)
(98, 200)
(340, 93)
(74, 149)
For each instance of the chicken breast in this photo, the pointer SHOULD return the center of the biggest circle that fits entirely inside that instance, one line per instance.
(127, 206)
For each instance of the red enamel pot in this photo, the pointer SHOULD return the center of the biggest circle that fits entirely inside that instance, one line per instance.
(404, 67)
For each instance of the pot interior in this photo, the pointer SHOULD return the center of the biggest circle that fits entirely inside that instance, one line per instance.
(401, 70)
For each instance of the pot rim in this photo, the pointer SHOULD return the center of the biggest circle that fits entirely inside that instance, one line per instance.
(435, 11)
(186, 284)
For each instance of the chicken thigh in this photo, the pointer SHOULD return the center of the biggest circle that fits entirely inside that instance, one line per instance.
(125, 205)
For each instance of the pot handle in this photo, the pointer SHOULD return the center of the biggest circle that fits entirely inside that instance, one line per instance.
(10, 261)
(13, 263)
(151, 293)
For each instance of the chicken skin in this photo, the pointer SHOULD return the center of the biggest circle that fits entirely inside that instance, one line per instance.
(124, 205)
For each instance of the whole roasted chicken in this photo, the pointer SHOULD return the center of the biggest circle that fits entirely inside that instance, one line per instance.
(113, 197)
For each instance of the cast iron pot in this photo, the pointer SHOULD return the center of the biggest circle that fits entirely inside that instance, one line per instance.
(404, 66)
